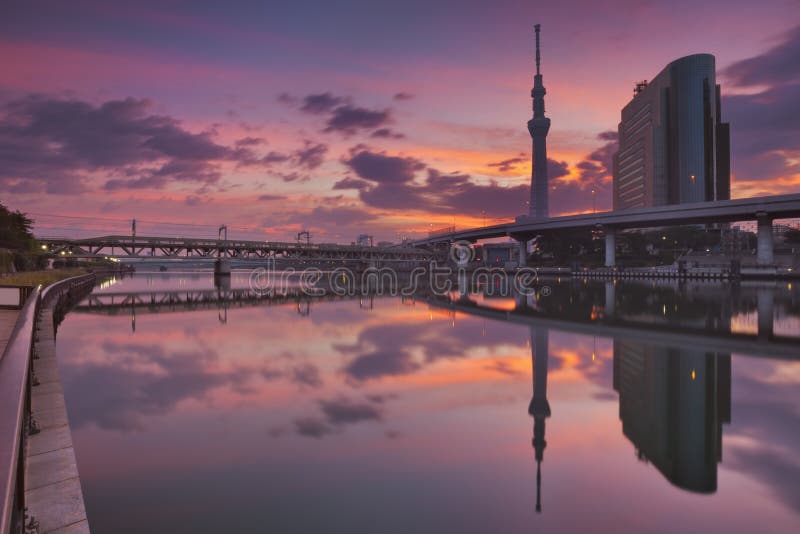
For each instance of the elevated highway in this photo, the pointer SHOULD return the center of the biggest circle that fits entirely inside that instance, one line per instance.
(764, 210)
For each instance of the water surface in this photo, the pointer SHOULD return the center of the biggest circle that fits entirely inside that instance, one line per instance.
(384, 414)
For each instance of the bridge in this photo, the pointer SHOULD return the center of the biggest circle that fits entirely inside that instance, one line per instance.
(761, 209)
(117, 246)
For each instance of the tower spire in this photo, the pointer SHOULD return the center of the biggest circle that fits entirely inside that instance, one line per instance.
(538, 127)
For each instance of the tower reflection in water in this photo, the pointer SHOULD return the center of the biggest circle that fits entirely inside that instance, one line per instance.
(539, 407)
(672, 404)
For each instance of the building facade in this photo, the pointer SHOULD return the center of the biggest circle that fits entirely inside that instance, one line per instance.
(673, 146)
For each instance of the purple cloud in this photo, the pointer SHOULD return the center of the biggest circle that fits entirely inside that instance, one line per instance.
(349, 119)
(311, 156)
(389, 182)
(321, 103)
(387, 133)
(780, 64)
(53, 144)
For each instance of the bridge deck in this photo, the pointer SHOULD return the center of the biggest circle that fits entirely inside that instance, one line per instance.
(745, 209)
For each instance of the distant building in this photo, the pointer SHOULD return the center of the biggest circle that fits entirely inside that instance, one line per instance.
(673, 147)
(735, 241)
(779, 231)
(364, 240)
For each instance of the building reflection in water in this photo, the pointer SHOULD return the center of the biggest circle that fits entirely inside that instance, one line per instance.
(672, 404)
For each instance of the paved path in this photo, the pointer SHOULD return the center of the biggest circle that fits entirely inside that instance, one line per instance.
(53, 489)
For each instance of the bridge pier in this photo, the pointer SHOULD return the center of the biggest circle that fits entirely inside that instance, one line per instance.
(610, 307)
(766, 312)
(765, 251)
(611, 247)
(523, 253)
(222, 267)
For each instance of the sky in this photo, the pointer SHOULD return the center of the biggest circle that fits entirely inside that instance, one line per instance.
(357, 117)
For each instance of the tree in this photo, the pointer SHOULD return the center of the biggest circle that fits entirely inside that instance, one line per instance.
(15, 230)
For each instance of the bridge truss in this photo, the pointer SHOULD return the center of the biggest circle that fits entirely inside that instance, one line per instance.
(190, 248)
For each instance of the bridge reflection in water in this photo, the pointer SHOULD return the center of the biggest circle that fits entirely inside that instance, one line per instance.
(671, 371)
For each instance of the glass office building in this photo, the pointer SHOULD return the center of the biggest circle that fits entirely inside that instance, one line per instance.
(673, 146)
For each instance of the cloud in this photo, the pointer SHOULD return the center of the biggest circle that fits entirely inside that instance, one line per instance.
(392, 182)
(306, 374)
(765, 126)
(382, 168)
(321, 103)
(780, 64)
(597, 167)
(52, 144)
(311, 156)
(503, 367)
(312, 427)
(268, 198)
(387, 133)
(144, 380)
(351, 183)
(381, 363)
(401, 96)
(337, 413)
(344, 411)
(595, 173)
(249, 141)
(349, 119)
(193, 200)
(273, 157)
(386, 350)
(508, 164)
(287, 99)
(765, 129)
(342, 116)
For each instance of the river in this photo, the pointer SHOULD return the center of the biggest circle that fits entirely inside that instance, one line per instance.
(618, 406)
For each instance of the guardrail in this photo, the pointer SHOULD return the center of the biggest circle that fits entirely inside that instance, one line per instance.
(16, 381)
(15, 409)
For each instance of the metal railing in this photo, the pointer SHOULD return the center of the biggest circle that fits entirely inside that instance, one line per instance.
(15, 409)
(16, 383)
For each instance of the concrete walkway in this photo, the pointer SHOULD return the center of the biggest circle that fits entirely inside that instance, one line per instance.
(53, 489)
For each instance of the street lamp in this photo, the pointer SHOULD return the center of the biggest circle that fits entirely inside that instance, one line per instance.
(594, 200)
